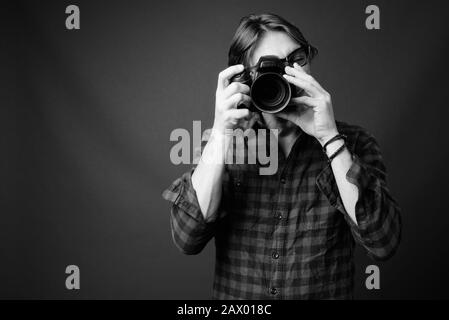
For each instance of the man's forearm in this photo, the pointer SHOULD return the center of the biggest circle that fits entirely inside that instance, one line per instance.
(208, 175)
(349, 192)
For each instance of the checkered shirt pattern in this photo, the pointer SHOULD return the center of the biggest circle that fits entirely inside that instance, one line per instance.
(288, 235)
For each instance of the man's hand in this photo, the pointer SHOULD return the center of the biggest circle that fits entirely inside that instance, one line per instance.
(312, 112)
(228, 97)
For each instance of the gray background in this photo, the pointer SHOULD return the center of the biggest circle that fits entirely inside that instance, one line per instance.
(86, 119)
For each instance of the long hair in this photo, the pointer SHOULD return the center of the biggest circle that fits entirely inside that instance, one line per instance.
(252, 27)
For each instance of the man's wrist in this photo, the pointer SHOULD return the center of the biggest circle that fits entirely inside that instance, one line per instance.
(216, 150)
(332, 147)
(322, 140)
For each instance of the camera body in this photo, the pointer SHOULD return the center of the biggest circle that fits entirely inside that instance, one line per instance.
(270, 91)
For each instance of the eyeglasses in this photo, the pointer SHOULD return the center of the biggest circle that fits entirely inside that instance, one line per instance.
(300, 56)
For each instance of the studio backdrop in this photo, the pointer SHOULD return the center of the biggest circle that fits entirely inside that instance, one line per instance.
(87, 115)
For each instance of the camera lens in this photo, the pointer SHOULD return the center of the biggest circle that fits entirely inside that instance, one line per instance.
(270, 92)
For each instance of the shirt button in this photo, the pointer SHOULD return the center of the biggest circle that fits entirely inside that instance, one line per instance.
(278, 216)
(283, 180)
(275, 255)
(273, 291)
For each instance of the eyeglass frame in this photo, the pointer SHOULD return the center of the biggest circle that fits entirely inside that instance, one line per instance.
(306, 50)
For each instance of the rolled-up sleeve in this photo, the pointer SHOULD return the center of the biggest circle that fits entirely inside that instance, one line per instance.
(190, 231)
(378, 216)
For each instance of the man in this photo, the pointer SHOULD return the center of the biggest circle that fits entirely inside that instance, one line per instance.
(289, 235)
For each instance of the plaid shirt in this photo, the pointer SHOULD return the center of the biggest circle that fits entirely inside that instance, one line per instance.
(288, 235)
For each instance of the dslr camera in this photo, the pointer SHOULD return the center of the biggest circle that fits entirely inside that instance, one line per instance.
(270, 91)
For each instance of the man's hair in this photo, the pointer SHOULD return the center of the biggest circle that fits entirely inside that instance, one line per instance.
(252, 27)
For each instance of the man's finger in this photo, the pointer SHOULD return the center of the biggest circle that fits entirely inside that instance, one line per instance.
(308, 101)
(299, 72)
(226, 74)
(303, 84)
(238, 98)
(239, 113)
(235, 87)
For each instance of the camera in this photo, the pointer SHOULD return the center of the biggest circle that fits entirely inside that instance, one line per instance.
(270, 91)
